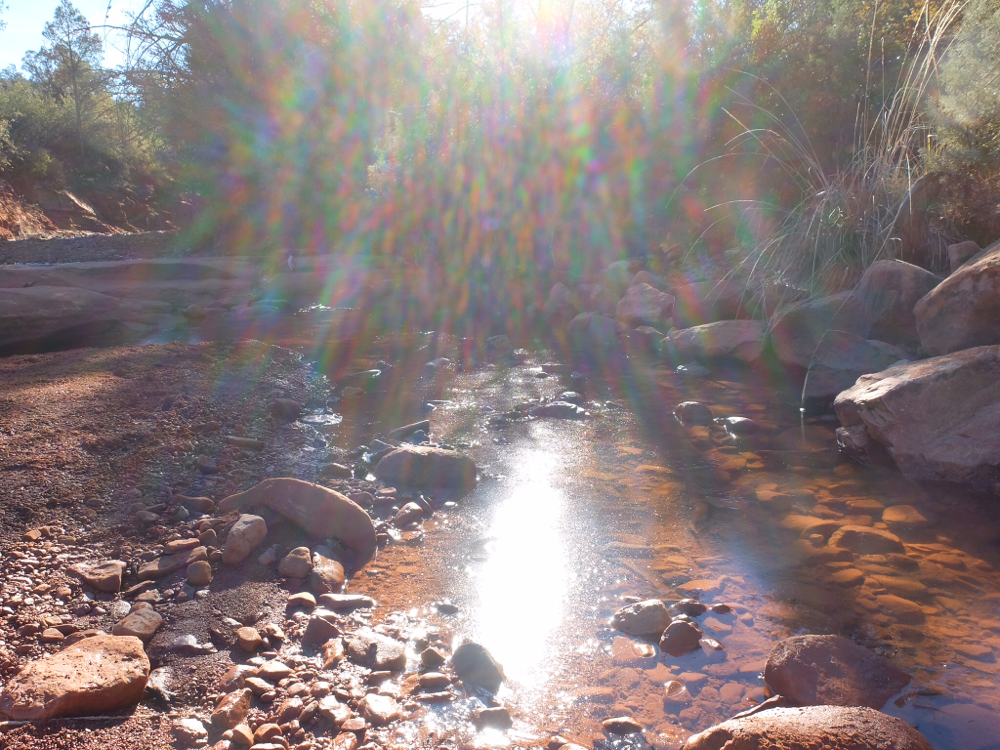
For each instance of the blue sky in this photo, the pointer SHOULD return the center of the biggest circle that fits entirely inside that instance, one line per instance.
(25, 20)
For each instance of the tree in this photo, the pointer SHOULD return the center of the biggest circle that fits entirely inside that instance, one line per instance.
(69, 66)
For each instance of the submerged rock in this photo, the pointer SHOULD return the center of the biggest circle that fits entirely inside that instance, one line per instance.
(559, 410)
(812, 728)
(646, 618)
(427, 467)
(812, 670)
(476, 667)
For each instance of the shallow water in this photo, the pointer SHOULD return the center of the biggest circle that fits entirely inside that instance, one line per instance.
(573, 519)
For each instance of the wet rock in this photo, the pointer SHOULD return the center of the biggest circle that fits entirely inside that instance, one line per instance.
(379, 652)
(408, 514)
(427, 467)
(571, 397)
(817, 670)
(379, 710)
(905, 517)
(936, 418)
(900, 609)
(621, 725)
(142, 624)
(840, 359)
(693, 414)
(96, 675)
(559, 410)
(333, 653)
(322, 626)
(675, 691)
(346, 602)
(284, 409)
(865, 540)
(495, 718)
(232, 709)
(432, 658)
(105, 576)
(644, 305)
(327, 575)
(297, 563)
(199, 573)
(321, 512)
(477, 668)
(688, 607)
(740, 339)
(681, 637)
(812, 728)
(647, 618)
(245, 534)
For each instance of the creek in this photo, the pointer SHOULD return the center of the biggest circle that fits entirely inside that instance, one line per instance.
(574, 518)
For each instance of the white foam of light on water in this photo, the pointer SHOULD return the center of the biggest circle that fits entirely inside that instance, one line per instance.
(523, 583)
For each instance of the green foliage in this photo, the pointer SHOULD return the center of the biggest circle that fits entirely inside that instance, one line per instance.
(966, 117)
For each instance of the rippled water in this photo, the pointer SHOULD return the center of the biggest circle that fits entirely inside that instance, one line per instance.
(572, 519)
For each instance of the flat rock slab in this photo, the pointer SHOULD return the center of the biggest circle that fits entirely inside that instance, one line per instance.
(94, 676)
(377, 651)
(319, 511)
(812, 728)
(167, 564)
(427, 467)
(814, 670)
(104, 576)
(143, 624)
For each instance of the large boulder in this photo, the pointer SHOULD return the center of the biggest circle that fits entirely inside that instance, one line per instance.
(936, 418)
(885, 297)
(963, 311)
(740, 339)
(812, 728)
(840, 359)
(54, 315)
(644, 305)
(819, 670)
(797, 330)
(426, 467)
(91, 677)
(588, 331)
(707, 302)
(319, 511)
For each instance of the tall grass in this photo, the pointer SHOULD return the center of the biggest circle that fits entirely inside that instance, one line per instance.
(862, 212)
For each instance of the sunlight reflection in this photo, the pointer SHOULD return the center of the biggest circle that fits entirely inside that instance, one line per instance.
(523, 582)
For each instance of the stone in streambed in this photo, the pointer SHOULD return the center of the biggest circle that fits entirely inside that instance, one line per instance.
(476, 667)
(96, 675)
(865, 540)
(245, 534)
(320, 512)
(199, 573)
(646, 618)
(105, 576)
(297, 563)
(328, 575)
(143, 624)
(681, 637)
(427, 467)
(167, 564)
(376, 651)
(811, 728)
(830, 670)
